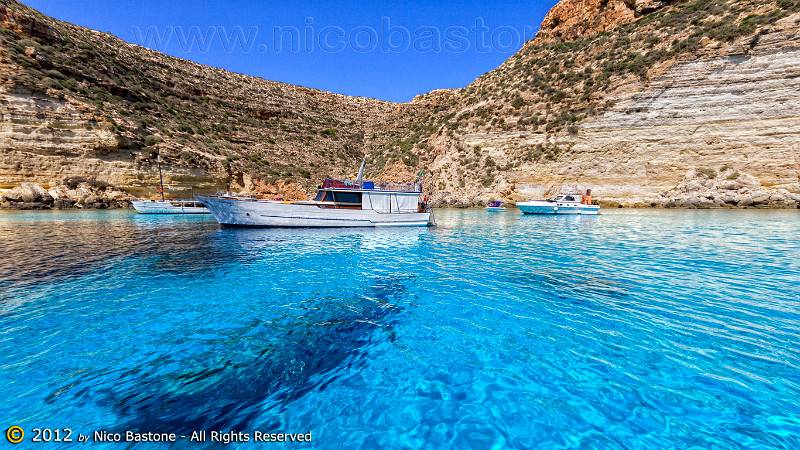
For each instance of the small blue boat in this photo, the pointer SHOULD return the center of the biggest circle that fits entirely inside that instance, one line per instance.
(495, 206)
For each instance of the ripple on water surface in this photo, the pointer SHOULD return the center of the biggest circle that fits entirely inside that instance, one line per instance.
(635, 329)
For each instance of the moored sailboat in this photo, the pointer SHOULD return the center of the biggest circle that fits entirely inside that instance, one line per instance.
(169, 207)
(165, 206)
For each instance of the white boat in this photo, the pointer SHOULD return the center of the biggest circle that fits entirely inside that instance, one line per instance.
(169, 207)
(337, 204)
(562, 204)
(165, 206)
(332, 207)
(495, 206)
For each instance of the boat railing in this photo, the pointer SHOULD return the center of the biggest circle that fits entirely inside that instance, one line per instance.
(330, 183)
(402, 187)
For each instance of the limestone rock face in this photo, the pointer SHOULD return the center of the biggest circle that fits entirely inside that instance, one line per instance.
(726, 114)
(43, 138)
(280, 190)
(647, 6)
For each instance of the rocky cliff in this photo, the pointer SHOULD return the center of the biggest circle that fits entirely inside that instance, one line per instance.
(689, 104)
(80, 103)
(649, 102)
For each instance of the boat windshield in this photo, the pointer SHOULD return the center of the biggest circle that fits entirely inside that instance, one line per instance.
(562, 198)
(340, 198)
(185, 204)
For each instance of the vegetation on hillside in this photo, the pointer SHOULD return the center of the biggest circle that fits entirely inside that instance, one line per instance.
(550, 86)
(196, 116)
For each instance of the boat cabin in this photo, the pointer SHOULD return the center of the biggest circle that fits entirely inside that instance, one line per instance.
(380, 201)
(383, 198)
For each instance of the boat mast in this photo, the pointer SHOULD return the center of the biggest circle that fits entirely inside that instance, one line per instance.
(360, 177)
(160, 175)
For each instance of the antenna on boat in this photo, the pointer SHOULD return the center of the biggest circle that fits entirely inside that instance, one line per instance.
(160, 175)
(360, 177)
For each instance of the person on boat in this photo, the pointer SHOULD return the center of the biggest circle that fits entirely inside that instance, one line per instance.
(422, 205)
(586, 199)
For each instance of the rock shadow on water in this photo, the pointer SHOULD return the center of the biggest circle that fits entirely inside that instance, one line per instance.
(308, 353)
(571, 286)
(60, 251)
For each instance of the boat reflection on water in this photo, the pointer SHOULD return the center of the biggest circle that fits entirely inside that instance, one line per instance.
(326, 240)
(76, 243)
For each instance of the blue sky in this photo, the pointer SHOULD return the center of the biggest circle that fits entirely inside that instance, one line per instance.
(391, 50)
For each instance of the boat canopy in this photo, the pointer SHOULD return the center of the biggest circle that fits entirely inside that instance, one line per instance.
(330, 183)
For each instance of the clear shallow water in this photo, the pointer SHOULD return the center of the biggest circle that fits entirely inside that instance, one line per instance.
(635, 329)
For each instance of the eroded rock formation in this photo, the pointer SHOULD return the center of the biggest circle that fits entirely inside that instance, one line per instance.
(571, 19)
(74, 192)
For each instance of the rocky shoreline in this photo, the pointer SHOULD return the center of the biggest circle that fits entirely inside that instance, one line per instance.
(75, 192)
(727, 189)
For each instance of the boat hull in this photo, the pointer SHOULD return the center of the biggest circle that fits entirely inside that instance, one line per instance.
(495, 208)
(272, 214)
(157, 207)
(552, 208)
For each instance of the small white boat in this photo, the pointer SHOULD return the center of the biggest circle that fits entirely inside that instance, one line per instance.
(562, 204)
(495, 206)
(169, 207)
(165, 206)
(337, 204)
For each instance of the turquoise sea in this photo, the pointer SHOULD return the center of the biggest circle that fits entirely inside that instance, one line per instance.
(635, 329)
